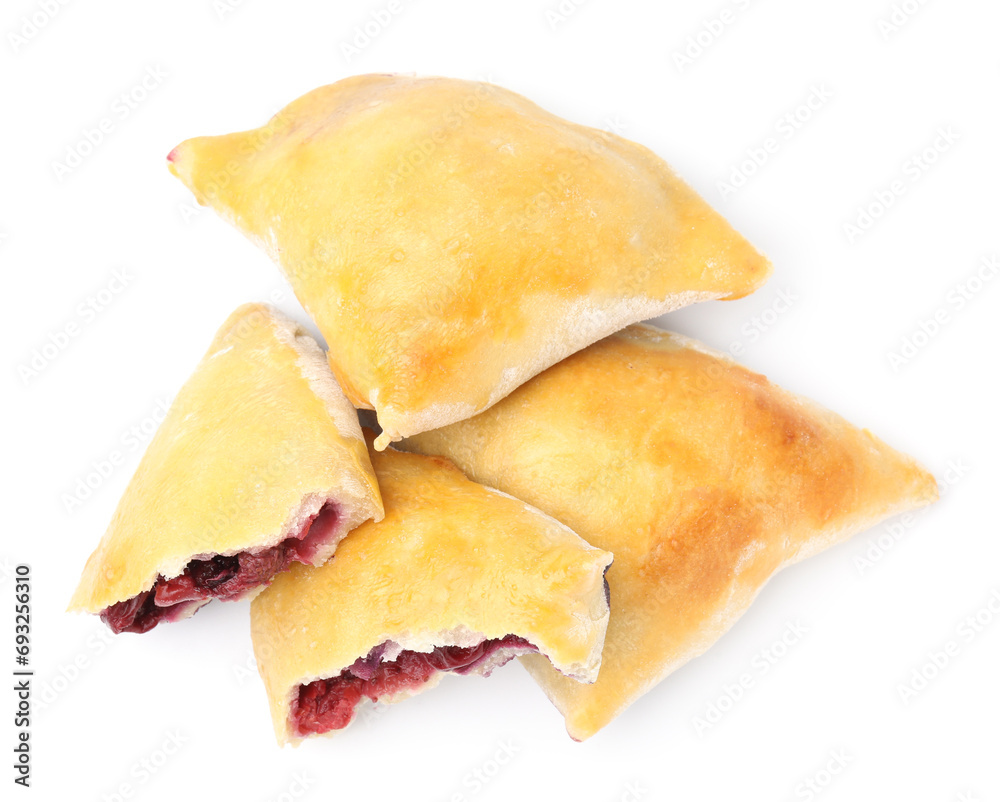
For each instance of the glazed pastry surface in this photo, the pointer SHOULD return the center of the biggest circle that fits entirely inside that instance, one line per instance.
(451, 239)
(702, 478)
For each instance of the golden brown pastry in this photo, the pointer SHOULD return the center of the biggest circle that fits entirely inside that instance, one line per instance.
(451, 239)
(456, 578)
(259, 463)
(702, 478)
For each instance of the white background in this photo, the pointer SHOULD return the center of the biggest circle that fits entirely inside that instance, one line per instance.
(106, 704)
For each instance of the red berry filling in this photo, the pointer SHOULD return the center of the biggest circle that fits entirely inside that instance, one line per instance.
(219, 577)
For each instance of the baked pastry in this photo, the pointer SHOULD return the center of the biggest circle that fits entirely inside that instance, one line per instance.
(456, 578)
(702, 477)
(451, 239)
(259, 463)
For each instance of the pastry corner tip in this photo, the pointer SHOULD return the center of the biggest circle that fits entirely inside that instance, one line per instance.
(928, 487)
(175, 160)
(384, 440)
(183, 164)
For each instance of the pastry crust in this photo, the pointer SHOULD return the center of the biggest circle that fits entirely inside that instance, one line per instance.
(702, 477)
(451, 239)
(452, 563)
(254, 444)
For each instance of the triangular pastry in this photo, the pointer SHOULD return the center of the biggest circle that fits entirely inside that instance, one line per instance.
(456, 578)
(451, 239)
(702, 478)
(258, 464)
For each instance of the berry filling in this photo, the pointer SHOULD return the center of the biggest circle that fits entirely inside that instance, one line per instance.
(329, 704)
(220, 577)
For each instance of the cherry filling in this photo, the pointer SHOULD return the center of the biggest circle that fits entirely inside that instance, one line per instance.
(220, 577)
(329, 704)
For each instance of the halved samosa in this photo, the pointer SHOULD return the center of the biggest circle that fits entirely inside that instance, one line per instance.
(451, 239)
(702, 477)
(456, 578)
(258, 464)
